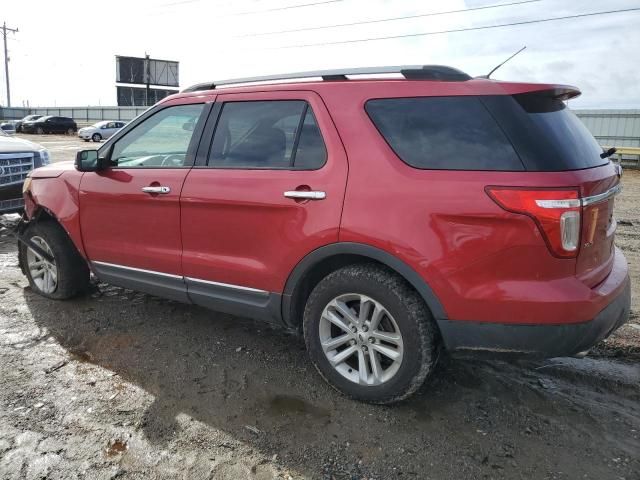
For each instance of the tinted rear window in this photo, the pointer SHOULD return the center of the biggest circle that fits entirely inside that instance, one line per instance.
(546, 134)
(443, 133)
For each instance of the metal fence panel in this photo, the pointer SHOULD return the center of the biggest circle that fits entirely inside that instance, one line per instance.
(617, 128)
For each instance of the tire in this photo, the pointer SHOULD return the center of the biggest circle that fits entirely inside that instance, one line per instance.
(405, 313)
(96, 137)
(39, 130)
(71, 271)
(71, 131)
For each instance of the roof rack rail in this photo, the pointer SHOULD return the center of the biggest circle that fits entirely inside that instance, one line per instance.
(410, 72)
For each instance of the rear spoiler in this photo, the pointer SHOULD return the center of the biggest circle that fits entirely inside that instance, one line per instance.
(559, 92)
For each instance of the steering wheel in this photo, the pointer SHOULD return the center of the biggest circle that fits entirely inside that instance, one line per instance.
(175, 160)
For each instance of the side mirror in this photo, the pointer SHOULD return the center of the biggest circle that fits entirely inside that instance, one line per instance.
(88, 161)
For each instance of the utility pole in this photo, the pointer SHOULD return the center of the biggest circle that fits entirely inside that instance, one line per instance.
(6, 29)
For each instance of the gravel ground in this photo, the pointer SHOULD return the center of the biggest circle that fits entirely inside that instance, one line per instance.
(119, 384)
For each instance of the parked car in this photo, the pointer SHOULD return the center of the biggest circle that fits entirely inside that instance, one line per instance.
(8, 127)
(17, 158)
(100, 131)
(28, 118)
(50, 124)
(385, 219)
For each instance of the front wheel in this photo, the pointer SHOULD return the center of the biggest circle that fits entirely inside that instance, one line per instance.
(96, 137)
(71, 131)
(39, 130)
(65, 274)
(369, 334)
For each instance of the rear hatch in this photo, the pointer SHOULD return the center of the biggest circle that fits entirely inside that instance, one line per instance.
(550, 138)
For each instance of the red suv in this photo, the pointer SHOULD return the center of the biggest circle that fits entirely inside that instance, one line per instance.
(384, 218)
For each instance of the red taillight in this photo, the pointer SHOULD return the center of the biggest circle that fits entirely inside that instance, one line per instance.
(557, 213)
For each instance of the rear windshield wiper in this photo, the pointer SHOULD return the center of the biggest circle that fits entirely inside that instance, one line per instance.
(608, 153)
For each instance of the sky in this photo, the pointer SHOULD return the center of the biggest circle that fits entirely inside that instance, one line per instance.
(64, 52)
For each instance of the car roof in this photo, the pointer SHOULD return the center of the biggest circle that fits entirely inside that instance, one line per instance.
(375, 82)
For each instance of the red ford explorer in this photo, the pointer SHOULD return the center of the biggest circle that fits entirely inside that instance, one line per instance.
(385, 218)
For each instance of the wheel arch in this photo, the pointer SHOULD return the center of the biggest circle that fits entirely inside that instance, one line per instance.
(322, 261)
(44, 214)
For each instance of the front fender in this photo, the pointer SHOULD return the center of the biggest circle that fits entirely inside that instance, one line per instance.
(58, 198)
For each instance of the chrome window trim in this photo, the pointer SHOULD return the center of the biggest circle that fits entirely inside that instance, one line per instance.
(180, 277)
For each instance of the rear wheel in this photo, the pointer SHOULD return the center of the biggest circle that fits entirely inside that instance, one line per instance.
(96, 137)
(39, 130)
(369, 334)
(62, 276)
(71, 131)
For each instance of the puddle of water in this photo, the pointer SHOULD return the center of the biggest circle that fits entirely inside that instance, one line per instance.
(80, 355)
(289, 405)
(116, 447)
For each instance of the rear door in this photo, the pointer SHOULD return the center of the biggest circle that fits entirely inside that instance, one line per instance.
(110, 129)
(266, 190)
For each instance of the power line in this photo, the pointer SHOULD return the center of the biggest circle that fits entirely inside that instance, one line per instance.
(251, 12)
(289, 7)
(392, 19)
(457, 30)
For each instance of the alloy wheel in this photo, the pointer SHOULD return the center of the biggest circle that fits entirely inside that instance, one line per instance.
(43, 273)
(361, 339)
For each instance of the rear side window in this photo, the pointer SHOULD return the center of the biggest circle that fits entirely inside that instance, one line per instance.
(443, 133)
(546, 134)
(275, 134)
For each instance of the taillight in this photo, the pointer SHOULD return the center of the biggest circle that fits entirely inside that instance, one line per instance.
(556, 212)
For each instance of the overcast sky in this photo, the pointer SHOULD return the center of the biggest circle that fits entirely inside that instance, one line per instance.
(64, 53)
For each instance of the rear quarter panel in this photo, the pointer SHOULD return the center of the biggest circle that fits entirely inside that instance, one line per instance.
(482, 262)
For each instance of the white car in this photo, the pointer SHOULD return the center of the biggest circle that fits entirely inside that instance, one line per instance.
(100, 131)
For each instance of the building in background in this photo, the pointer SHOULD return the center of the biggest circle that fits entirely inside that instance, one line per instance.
(613, 128)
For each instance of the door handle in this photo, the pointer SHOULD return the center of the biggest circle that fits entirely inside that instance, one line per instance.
(158, 189)
(305, 195)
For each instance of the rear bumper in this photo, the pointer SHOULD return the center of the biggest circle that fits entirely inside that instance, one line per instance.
(544, 340)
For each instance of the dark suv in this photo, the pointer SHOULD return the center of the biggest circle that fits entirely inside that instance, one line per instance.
(385, 218)
(50, 124)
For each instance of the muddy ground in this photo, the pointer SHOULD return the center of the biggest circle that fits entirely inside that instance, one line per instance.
(124, 385)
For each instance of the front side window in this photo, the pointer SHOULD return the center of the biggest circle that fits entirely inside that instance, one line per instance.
(443, 133)
(161, 140)
(279, 134)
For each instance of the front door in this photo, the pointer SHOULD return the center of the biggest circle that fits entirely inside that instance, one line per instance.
(130, 213)
(265, 191)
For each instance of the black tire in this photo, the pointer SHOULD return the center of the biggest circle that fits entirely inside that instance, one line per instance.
(72, 270)
(40, 131)
(413, 318)
(96, 137)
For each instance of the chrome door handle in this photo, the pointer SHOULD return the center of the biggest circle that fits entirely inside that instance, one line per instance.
(305, 195)
(163, 190)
